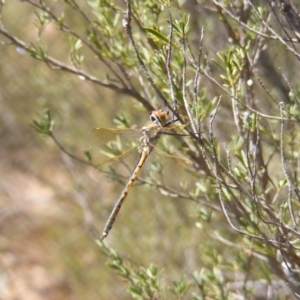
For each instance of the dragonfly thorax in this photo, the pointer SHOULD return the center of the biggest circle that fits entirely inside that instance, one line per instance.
(150, 135)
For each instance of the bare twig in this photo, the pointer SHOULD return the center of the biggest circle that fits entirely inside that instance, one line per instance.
(285, 171)
(196, 80)
(185, 101)
(168, 64)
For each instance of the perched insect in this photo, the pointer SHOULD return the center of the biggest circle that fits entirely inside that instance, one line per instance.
(142, 146)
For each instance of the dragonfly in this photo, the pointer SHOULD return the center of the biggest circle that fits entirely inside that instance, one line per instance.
(142, 146)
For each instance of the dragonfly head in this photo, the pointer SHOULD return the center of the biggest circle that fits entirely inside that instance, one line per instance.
(159, 117)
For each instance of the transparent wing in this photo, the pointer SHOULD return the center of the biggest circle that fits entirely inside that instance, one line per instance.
(108, 142)
(160, 169)
(120, 167)
(126, 136)
(174, 130)
(168, 172)
(102, 136)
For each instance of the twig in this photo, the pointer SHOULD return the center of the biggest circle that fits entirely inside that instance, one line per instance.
(285, 171)
(58, 65)
(186, 104)
(196, 80)
(53, 137)
(168, 65)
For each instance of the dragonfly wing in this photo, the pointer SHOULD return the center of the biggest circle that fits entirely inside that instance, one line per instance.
(112, 142)
(175, 130)
(120, 167)
(168, 172)
(125, 136)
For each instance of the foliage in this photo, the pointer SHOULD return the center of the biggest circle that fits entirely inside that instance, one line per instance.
(240, 114)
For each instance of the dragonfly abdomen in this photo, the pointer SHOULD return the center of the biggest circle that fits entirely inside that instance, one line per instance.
(108, 226)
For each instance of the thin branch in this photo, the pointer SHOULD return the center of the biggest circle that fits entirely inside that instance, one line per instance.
(169, 55)
(127, 26)
(196, 80)
(185, 101)
(58, 65)
(59, 145)
(292, 50)
(285, 171)
(86, 42)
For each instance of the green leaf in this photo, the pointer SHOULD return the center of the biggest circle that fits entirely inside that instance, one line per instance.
(160, 37)
(45, 125)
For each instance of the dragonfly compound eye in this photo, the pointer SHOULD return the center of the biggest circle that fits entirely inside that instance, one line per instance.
(152, 118)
